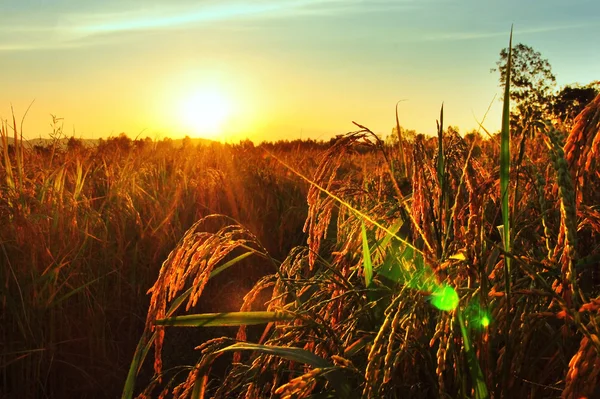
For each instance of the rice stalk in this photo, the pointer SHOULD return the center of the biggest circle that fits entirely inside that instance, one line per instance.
(582, 148)
(568, 212)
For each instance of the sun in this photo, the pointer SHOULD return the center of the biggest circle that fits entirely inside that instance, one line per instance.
(205, 112)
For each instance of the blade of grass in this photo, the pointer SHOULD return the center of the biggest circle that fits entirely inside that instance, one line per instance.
(18, 151)
(480, 388)
(440, 162)
(367, 264)
(301, 356)
(441, 169)
(505, 160)
(232, 262)
(10, 180)
(78, 289)
(141, 350)
(400, 145)
(146, 341)
(504, 198)
(224, 319)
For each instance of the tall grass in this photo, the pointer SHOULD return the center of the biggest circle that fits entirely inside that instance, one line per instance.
(83, 232)
(400, 285)
(505, 200)
(406, 294)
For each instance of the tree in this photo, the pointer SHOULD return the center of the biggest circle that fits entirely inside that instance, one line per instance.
(571, 100)
(531, 87)
(74, 144)
(186, 142)
(408, 135)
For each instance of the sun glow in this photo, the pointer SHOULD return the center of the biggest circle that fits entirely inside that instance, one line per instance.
(205, 112)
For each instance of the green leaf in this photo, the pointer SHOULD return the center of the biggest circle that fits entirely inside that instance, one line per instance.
(505, 154)
(367, 264)
(139, 355)
(76, 290)
(440, 163)
(146, 341)
(390, 234)
(224, 319)
(335, 377)
(480, 387)
(504, 200)
(230, 263)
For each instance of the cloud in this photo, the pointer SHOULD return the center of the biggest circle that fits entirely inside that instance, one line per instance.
(168, 15)
(88, 24)
(459, 36)
(172, 15)
(50, 29)
(69, 29)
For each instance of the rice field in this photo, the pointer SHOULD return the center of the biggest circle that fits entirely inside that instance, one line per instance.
(426, 267)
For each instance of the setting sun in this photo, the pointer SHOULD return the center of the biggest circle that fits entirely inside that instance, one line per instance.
(205, 112)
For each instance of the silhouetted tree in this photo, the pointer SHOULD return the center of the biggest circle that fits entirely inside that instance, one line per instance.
(186, 142)
(531, 87)
(74, 144)
(141, 144)
(165, 144)
(117, 145)
(408, 136)
(571, 100)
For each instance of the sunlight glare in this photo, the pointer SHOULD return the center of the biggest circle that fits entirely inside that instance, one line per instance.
(205, 113)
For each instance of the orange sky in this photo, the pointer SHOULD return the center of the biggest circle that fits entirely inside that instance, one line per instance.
(273, 70)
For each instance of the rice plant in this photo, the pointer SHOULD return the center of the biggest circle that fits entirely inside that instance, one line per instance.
(436, 267)
(443, 290)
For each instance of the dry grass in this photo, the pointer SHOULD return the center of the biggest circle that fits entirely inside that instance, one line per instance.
(353, 307)
(383, 337)
(83, 232)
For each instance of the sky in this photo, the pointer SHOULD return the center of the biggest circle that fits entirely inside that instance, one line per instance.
(274, 69)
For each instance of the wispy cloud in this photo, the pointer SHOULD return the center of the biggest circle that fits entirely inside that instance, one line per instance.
(172, 15)
(70, 29)
(458, 36)
(167, 15)
(88, 24)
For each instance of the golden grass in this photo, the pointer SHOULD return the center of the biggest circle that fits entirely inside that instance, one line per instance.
(84, 232)
(382, 335)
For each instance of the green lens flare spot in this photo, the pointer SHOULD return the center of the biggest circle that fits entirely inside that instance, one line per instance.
(444, 298)
(485, 321)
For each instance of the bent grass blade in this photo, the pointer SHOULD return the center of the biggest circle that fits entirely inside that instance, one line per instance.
(367, 263)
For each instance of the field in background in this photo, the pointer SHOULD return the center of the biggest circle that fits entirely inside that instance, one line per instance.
(358, 304)
(84, 230)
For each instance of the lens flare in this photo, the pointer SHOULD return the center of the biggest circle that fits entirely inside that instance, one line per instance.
(485, 321)
(444, 298)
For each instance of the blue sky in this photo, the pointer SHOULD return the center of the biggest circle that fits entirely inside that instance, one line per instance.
(274, 69)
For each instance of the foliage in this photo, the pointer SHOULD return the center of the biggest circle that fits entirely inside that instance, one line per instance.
(571, 100)
(404, 293)
(400, 284)
(531, 82)
(83, 231)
